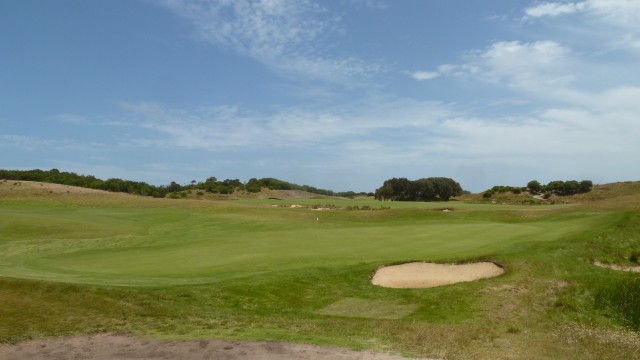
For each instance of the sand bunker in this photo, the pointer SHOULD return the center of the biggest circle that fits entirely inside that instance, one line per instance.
(425, 275)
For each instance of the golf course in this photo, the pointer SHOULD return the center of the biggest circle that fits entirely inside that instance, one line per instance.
(81, 262)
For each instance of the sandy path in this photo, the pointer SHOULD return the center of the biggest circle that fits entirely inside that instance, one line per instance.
(119, 346)
(617, 267)
(426, 275)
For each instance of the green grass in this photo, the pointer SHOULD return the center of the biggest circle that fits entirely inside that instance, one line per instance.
(249, 270)
(172, 247)
(621, 298)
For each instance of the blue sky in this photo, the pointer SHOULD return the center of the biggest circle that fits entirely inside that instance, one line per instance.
(340, 94)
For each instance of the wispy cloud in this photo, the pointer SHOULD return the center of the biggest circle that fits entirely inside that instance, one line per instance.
(536, 66)
(611, 16)
(540, 67)
(554, 9)
(288, 36)
(405, 131)
(33, 143)
(423, 75)
(373, 4)
(231, 127)
(619, 12)
(24, 142)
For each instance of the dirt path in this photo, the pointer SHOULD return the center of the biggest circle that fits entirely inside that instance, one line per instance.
(120, 346)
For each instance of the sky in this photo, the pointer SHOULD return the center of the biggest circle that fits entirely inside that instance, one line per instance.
(336, 94)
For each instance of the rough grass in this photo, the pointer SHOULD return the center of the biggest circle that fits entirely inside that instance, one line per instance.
(621, 299)
(78, 263)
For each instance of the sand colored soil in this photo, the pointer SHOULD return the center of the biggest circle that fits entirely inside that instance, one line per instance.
(23, 186)
(617, 267)
(425, 275)
(119, 346)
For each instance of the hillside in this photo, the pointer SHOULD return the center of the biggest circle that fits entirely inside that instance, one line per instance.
(26, 189)
(211, 187)
(619, 192)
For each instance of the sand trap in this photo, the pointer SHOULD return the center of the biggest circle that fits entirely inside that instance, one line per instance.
(425, 275)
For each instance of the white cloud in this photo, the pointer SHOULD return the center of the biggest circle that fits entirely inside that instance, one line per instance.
(625, 13)
(540, 67)
(230, 127)
(611, 17)
(526, 64)
(619, 12)
(285, 35)
(554, 9)
(423, 75)
(447, 68)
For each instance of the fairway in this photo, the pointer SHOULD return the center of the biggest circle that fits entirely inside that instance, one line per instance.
(169, 247)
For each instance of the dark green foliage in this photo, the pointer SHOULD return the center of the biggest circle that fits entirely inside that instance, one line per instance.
(55, 176)
(570, 187)
(557, 187)
(504, 189)
(255, 185)
(427, 189)
(534, 186)
(228, 186)
(585, 186)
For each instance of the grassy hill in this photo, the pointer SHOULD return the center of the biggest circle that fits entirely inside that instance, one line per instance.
(76, 260)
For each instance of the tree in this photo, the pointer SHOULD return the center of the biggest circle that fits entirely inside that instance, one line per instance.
(253, 185)
(534, 186)
(174, 187)
(571, 187)
(426, 189)
(556, 186)
(585, 186)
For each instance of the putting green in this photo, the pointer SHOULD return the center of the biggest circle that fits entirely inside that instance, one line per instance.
(152, 247)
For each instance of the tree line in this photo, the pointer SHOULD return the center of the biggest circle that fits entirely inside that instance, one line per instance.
(211, 184)
(556, 187)
(559, 187)
(426, 189)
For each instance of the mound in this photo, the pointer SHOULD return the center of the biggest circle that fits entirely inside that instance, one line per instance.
(425, 275)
